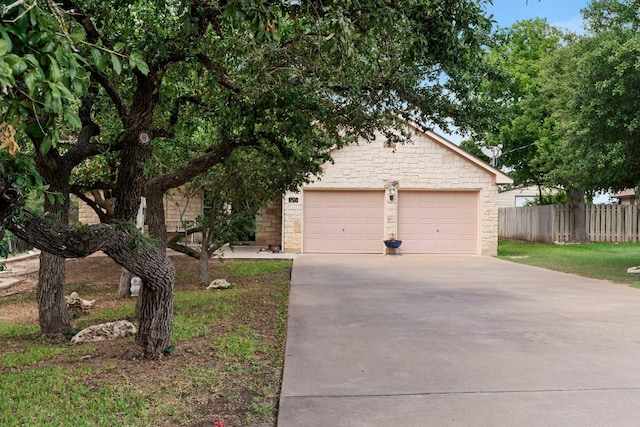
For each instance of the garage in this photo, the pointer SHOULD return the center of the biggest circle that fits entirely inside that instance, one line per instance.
(444, 222)
(429, 193)
(343, 221)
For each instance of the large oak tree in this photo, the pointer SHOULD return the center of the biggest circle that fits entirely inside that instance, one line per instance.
(126, 80)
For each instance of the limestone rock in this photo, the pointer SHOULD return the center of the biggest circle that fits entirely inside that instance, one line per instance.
(219, 284)
(105, 331)
(75, 302)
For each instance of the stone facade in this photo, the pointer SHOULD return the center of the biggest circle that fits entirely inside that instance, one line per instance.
(429, 162)
(181, 206)
(269, 225)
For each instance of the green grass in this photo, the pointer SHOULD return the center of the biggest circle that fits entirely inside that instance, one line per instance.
(608, 261)
(55, 395)
(195, 312)
(227, 363)
(35, 353)
(240, 343)
(11, 330)
(259, 267)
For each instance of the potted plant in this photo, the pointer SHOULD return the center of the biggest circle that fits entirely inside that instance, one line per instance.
(392, 242)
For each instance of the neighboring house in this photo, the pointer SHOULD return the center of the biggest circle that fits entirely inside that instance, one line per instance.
(430, 193)
(626, 197)
(520, 195)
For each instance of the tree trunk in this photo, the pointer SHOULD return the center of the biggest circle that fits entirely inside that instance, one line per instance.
(154, 308)
(156, 221)
(145, 261)
(53, 315)
(155, 314)
(124, 289)
(203, 268)
(578, 215)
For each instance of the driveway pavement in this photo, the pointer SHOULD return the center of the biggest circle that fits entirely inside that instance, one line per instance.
(457, 341)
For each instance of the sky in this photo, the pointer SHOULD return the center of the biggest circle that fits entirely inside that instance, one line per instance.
(560, 13)
(564, 14)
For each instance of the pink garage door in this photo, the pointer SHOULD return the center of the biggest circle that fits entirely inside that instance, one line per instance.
(438, 222)
(343, 221)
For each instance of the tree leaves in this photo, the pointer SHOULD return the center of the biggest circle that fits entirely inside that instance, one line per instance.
(136, 61)
(5, 46)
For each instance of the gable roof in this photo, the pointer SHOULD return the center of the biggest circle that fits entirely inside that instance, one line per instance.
(499, 176)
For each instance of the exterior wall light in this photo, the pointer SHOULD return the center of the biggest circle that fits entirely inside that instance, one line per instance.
(392, 192)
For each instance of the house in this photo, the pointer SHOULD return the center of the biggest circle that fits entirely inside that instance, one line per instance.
(429, 193)
(181, 206)
(626, 197)
(521, 195)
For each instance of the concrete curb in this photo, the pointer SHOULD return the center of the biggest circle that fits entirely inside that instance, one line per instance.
(21, 257)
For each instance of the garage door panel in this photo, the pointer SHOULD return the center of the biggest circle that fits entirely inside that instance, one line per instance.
(447, 213)
(438, 222)
(343, 221)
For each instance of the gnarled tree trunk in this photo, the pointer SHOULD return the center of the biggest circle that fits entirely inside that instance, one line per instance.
(147, 262)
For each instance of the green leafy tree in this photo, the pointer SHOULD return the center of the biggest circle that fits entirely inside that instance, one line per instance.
(235, 192)
(518, 53)
(598, 98)
(592, 85)
(291, 79)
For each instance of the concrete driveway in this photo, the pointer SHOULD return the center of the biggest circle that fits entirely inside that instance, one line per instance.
(457, 341)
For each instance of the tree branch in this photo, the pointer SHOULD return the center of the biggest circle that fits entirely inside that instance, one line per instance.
(119, 244)
(189, 170)
(183, 249)
(104, 215)
(112, 91)
(225, 80)
(72, 9)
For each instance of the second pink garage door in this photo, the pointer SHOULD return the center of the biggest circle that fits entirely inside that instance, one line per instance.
(343, 221)
(438, 222)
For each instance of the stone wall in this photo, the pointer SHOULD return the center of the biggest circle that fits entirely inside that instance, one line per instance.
(269, 224)
(182, 206)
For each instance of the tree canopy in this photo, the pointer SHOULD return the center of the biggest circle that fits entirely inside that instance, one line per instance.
(165, 90)
(518, 53)
(594, 83)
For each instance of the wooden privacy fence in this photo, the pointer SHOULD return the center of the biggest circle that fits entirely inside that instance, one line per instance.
(551, 223)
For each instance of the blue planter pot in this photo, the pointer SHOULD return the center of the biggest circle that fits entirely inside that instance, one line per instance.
(394, 244)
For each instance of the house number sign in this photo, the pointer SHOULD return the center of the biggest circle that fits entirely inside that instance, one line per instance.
(293, 200)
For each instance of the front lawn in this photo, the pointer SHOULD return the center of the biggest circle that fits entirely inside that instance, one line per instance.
(608, 261)
(224, 368)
